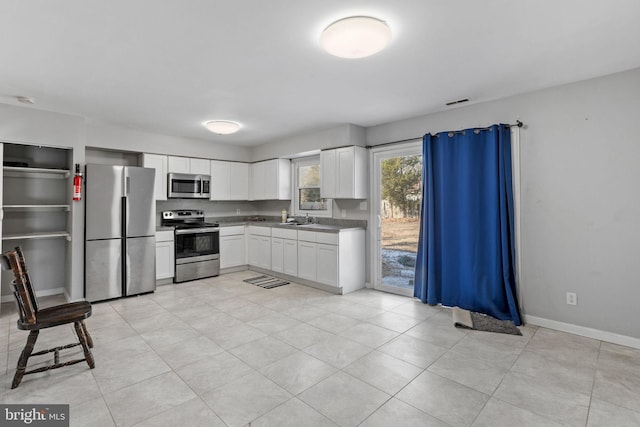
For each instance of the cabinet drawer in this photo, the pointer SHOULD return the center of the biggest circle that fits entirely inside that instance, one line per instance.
(164, 236)
(284, 233)
(231, 230)
(307, 236)
(328, 238)
(256, 230)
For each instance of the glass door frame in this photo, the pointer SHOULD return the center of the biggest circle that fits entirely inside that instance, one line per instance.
(375, 237)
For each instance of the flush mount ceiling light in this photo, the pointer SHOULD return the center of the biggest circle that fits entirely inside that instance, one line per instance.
(355, 37)
(222, 127)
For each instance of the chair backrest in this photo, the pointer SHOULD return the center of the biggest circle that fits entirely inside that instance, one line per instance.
(23, 291)
(27, 278)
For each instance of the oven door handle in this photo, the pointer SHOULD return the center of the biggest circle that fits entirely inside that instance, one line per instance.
(198, 230)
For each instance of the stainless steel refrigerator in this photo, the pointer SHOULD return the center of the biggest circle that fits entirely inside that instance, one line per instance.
(120, 225)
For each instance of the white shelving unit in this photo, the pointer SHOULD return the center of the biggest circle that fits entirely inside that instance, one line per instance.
(36, 173)
(40, 208)
(36, 235)
(36, 213)
(14, 171)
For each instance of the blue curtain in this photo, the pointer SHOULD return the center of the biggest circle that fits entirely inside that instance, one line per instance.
(466, 254)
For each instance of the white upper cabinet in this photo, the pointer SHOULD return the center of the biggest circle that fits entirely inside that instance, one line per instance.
(271, 180)
(178, 164)
(188, 165)
(328, 174)
(199, 166)
(220, 180)
(239, 181)
(344, 173)
(159, 163)
(229, 180)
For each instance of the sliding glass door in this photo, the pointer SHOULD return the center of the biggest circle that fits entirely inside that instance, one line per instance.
(397, 191)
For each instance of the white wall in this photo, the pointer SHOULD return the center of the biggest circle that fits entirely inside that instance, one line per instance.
(338, 136)
(580, 199)
(118, 138)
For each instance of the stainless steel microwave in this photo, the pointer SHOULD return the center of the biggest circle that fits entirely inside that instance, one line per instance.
(188, 186)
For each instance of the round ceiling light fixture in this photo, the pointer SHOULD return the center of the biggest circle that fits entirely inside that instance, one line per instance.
(222, 127)
(355, 37)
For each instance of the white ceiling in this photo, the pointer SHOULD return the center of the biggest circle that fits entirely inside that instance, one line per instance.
(167, 65)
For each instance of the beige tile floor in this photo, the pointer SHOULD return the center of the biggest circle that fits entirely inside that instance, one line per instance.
(219, 352)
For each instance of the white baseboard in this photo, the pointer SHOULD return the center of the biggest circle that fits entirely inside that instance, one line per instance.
(42, 293)
(583, 331)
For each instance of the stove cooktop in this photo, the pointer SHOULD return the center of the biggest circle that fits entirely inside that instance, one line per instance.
(184, 225)
(185, 218)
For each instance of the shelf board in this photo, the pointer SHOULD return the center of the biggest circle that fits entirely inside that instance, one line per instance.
(38, 235)
(36, 207)
(35, 172)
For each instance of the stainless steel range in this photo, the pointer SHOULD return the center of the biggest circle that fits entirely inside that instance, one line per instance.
(197, 244)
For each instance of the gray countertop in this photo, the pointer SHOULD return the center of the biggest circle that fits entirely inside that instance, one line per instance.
(326, 228)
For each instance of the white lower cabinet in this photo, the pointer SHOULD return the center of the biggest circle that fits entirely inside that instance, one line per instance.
(284, 251)
(334, 260)
(232, 246)
(307, 254)
(259, 241)
(264, 249)
(290, 265)
(165, 255)
(320, 257)
(277, 254)
(327, 263)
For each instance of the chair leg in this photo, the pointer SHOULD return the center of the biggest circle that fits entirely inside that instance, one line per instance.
(83, 342)
(86, 334)
(24, 357)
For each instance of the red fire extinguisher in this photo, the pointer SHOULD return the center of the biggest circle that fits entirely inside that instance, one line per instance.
(77, 184)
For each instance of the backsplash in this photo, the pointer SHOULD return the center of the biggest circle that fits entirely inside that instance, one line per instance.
(238, 209)
(269, 209)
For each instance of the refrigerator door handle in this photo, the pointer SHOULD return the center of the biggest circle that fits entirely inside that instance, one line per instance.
(127, 186)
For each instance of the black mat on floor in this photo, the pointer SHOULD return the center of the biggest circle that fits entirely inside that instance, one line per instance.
(481, 322)
(266, 282)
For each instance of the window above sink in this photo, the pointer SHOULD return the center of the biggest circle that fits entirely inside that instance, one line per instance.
(306, 189)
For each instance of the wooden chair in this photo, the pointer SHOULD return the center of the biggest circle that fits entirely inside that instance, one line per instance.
(34, 319)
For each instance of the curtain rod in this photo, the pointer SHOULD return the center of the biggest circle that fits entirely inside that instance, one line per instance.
(518, 123)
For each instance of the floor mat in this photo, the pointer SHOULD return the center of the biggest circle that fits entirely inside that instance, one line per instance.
(266, 282)
(481, 322)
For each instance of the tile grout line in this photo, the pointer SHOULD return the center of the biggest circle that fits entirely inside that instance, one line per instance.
(593, 383)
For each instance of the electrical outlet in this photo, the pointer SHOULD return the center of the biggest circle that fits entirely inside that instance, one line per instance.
(572, 298)
(343, 213)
